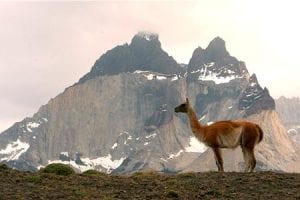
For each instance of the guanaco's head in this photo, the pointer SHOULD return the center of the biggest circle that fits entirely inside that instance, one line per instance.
(183, 107)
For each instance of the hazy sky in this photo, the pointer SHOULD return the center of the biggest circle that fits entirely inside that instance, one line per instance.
(47, 46)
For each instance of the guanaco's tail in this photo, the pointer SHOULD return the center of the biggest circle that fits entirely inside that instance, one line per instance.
(261, 133)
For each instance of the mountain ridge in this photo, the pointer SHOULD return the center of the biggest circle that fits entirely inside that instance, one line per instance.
(119, 117)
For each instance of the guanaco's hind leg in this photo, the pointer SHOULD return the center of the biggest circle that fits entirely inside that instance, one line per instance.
(219, 159)
(249, 158)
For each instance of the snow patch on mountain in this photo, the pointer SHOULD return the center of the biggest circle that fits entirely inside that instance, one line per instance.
(147, 35)
(195, 146)
(32, 125)
(175, 78)
(218, 79)
(153, 135)
(156, 76)
(114, 146)
(14, 150)
(105, 162)
(171, 156)
(217, 76)
(65, 153)
(128, 138)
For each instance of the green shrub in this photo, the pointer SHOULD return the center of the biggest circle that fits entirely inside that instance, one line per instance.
(3, 166)
(59, 169)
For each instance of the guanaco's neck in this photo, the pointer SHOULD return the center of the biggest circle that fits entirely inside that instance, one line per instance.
(196, 127)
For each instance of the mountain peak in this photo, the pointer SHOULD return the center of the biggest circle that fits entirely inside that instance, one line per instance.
(218, 48)
(218, 39)
(143, 53)
(215, 64)
(145, 39)
(253, 79)
(147, 35)
(255, 98)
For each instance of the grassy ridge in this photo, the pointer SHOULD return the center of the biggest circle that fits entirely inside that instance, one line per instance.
(92, 185)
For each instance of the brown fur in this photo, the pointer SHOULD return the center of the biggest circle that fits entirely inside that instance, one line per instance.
(225, 134)
(261, 134)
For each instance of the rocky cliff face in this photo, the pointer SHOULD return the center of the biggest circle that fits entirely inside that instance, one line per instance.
(289, 111)
(119, 117)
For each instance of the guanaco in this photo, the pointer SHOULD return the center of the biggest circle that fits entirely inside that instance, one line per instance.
(225, 134)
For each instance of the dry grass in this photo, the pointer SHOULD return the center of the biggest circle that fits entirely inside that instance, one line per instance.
(91, 185)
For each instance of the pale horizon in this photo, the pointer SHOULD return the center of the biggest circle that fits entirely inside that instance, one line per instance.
(48, 46)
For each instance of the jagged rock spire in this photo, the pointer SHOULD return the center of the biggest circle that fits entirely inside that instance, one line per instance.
(143, 53)
(255, 98)
(217, 49)
(215, 64)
